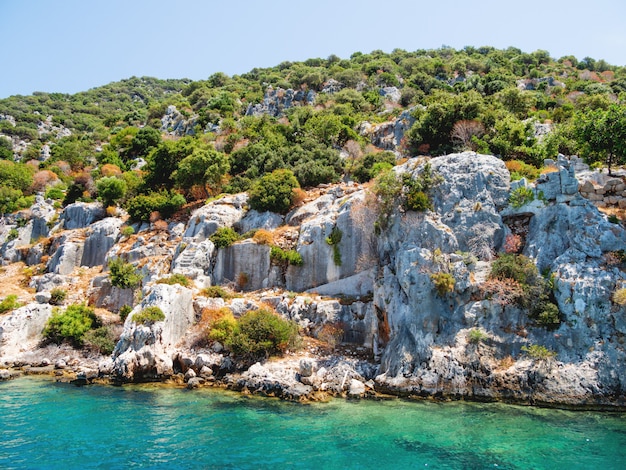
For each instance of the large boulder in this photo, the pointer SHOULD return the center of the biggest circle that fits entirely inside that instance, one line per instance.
(81, 214)
(100, 238)
(145, 352)
(246, 263)
(20, 331)
(68, 254)
(103, 294)
(223, 212)
(336, 240)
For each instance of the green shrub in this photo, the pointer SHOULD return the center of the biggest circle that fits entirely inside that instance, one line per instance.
(224, 237)
(123, 274)
(223, 328)
(218, 292)
(70, 325)
(175, 279)
(164, 202)
(101, 340)
(127, 231)
(124, 311)
(521, 196)
(258, 333)
(520, 268)
(57, 296)
(476, 336)
(418, 201)
(273, 192)
(444, 283)
(110, 189)
(538, 352)
(9, 303)
(149, 315)
(333, 240)
(547, 314)
(281, 257)
(13, 234)
(263, 333)
(55, 192)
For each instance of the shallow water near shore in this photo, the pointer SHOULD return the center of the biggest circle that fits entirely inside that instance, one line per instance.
(48, 425)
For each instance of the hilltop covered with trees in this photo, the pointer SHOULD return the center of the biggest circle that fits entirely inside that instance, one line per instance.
(151, 145)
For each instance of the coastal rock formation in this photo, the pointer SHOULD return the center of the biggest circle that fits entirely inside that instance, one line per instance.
(398, 302)
(21, 330)
(144, 350)
(428, 351)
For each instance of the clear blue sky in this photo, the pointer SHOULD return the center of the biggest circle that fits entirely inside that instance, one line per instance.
(73, 45)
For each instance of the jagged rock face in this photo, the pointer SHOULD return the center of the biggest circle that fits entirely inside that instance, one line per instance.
(428, 350)
(259, 220)
(389, 135)
(224, 212)
(100, 238)
(322, 262)
(144, 351)
(247, 264)
(20, 330)
(81, 214)
(68, 253)
(104, 295)
(276, 101)
(42, 213)
(175, 123)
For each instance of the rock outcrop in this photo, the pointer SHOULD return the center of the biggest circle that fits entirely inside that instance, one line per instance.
(397, 302)
(144, 352)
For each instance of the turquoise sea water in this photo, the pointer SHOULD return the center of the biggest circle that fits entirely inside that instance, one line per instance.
(46, 425)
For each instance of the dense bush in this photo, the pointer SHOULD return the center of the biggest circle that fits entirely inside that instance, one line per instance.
(273, 192)
(124, 311)
(70, 325)
(530, 290)
(57, 296)
(123, 274)
(110, 190)
(100, 340)
(284, 257)
(444, 282)
(166, 203)
(521, 196)
(224, 237)
(258, 333)
(9, 303)
(149, 315)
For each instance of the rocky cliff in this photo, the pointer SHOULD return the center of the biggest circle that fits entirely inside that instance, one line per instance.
(376, 289)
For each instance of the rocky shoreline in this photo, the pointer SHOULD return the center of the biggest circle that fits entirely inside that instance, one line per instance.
(409, 333)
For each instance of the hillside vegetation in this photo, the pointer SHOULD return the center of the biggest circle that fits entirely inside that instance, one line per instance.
(152, 145)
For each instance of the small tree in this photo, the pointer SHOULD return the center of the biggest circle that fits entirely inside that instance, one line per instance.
(70, 325)
(205, 167)
(123, 274)
(273, 192)
(110, 189)
(602, 134)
